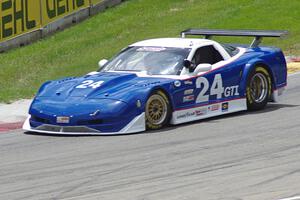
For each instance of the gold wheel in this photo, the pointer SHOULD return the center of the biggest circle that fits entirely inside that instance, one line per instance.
(157, 110)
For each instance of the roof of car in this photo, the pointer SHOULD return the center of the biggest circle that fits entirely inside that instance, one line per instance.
(173, 42)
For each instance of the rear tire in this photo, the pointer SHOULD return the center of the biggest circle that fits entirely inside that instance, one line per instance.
(259, 88)
(157, 111)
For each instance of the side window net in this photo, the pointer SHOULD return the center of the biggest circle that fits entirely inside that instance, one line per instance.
(231, 50)
(207, 54)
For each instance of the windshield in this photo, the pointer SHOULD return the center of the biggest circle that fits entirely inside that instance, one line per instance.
(152, 60)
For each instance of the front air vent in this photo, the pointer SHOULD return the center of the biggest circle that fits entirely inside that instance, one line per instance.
(39, 119)
(90, 122)
(66, 129)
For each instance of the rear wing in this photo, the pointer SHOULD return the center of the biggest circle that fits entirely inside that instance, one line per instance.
(257, 34)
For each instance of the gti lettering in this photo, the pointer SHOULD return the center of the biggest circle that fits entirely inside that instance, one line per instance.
(216, 89)
(16, 12)
(56, 8)
(231, 91)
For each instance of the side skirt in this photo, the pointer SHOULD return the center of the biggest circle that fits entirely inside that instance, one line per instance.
(206, 111)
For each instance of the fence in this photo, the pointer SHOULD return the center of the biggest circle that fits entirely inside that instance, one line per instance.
(25, 21)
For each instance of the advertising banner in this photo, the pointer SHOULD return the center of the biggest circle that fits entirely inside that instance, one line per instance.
(55, 9)
(18, 17)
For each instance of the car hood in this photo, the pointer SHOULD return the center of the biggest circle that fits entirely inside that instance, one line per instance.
(97, 85)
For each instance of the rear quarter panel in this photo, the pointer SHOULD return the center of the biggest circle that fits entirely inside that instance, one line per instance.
(272, 58)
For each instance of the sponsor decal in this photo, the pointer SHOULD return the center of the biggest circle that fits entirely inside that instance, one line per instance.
(214, 107)
(188, 98)
(186, 115)
(192, 114)
(177, 83)
(151, 49)
(188, 92)
(225, 107)
(63, 120)
(188, 82)
(201, 111)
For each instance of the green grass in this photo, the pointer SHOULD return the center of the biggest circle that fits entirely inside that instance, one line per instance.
(77, 50)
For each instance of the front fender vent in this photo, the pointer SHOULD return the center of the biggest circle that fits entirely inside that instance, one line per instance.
(66, 129)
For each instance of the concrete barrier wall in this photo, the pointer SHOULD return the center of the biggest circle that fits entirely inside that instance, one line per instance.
(25, 21)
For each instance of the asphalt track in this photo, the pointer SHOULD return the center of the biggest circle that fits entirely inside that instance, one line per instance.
(247, 155)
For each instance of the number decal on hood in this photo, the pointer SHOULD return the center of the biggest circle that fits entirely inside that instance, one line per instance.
(90, 84)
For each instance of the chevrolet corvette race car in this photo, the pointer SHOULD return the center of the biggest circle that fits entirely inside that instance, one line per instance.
(163, 81)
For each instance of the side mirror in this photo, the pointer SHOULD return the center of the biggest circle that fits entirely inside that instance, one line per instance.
(204, 67)
(188, 64)
(102, 62)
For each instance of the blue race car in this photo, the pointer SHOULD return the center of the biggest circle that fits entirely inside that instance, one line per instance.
(157, 82)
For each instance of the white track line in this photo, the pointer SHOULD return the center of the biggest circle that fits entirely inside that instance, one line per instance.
(291, 198)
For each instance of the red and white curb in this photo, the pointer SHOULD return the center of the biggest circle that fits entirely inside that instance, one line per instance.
(12, 116)
(292, 59)
(4, 127)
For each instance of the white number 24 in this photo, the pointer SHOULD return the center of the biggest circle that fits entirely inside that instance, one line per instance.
(216, 88)
(90, 84)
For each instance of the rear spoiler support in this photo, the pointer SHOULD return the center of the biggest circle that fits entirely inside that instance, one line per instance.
(257, 34)
(256, 42)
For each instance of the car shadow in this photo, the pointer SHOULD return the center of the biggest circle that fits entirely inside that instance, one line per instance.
(58, 135)
(271, 107)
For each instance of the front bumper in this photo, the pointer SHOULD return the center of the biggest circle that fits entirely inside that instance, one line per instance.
(134, 126)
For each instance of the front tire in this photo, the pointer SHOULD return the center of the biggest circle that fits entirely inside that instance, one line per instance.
(157, 111)
(259, 88)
